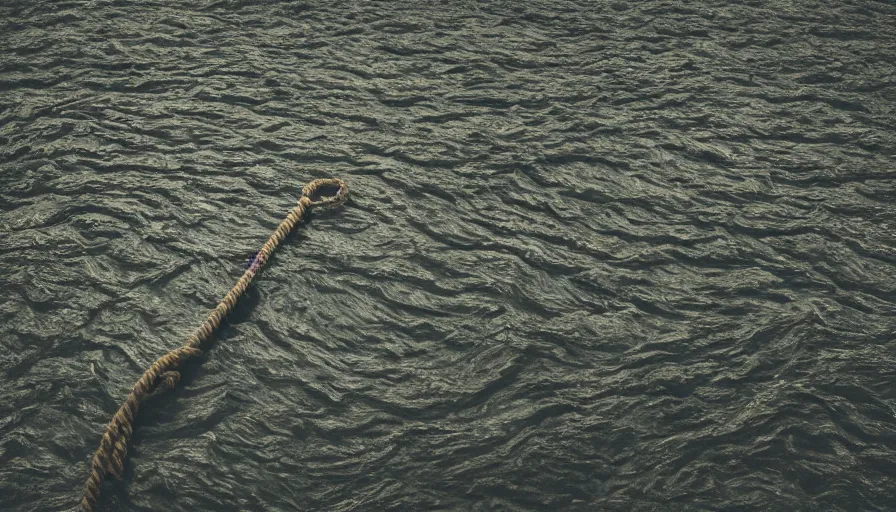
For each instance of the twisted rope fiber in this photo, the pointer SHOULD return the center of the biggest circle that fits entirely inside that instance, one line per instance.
(162, 375)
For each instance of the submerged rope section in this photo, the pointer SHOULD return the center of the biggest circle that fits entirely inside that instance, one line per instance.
(163, 375)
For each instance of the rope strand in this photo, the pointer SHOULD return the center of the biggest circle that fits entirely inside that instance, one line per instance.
(163, 375)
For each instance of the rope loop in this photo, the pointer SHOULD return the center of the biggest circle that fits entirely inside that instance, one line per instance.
(337, 199)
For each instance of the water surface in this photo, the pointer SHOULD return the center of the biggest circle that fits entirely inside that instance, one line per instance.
(598, 255)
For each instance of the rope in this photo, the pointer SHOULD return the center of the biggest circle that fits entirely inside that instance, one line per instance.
(162, 375)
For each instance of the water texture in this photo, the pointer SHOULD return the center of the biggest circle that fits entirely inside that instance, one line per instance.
(598, 256)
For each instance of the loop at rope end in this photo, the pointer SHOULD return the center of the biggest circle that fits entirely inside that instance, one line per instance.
(332, 201)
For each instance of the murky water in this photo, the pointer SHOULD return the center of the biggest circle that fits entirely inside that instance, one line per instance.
(598, 256)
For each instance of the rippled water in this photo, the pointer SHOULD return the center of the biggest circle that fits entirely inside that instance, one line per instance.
(598, 256)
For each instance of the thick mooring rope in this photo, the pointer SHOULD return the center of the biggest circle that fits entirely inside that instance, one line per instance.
(162, 375)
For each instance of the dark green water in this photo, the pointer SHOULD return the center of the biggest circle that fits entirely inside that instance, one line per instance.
(598, 256)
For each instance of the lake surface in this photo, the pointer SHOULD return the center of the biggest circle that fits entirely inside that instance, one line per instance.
(598, 256)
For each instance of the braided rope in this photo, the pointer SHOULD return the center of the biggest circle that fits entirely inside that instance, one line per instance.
(162, 375)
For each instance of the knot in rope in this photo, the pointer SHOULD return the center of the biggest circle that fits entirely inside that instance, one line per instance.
(163, 375)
